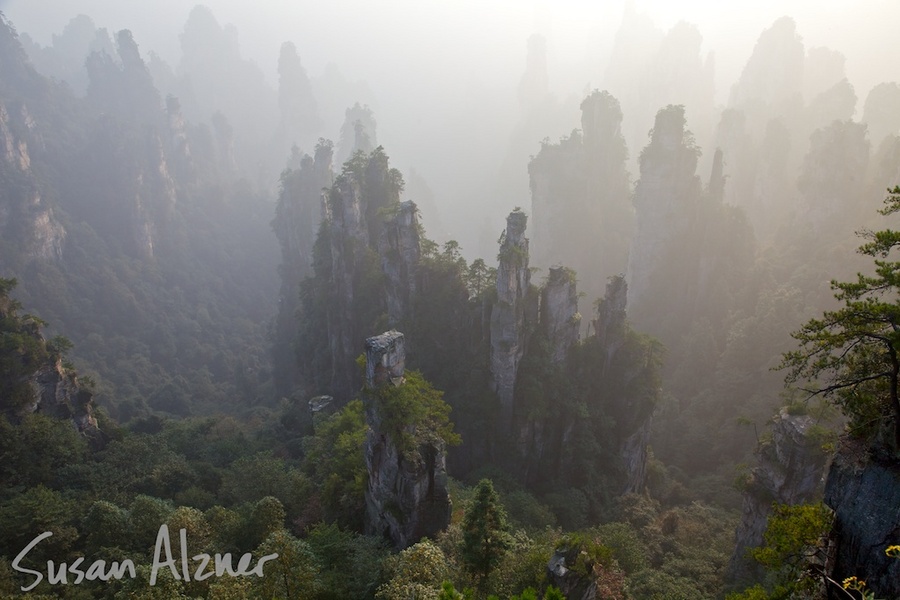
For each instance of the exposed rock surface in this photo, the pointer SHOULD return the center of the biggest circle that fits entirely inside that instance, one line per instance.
(664, 199)
(508, 317)
(24, 215)
(609, 326)
(298, 215)
(349, 238)
(633, 453)
(578, 577)
(34, 379)
(863, 490)
(400, 250)
(58, 393)
(559, 312)
(789, 471)
(634, 415)
(580, 197)
(406, 496)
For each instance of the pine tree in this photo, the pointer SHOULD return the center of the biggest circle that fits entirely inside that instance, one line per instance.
(485, 532)
(853, 354)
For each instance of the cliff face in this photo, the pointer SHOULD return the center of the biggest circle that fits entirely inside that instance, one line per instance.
(406, 495)
(33, 379)
(559, 312)
(632, 409)
(508, 316)
(789, 471)
(863, 490)
(609, 327)
(24, 215)
(400, 251)
(540, 433)
(154, 197)
(298, 215)
(58, 393)
(348, 236)
(580, 191)
(664, 199)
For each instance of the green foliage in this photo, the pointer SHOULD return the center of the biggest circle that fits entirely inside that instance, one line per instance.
(335, 460)
(145, 515)
(485, 532)
(757, 592)
(351, 564)
(293, 574)
(29, 514)
(793, 537)
(417, 572)
(853, 350)
(266, 517)
(252, 478)
(415, 414)
(623, 540)
(793, 552)
(650, 584)
(38, 450)
(588, 552)
(22, 351)
(106, 525)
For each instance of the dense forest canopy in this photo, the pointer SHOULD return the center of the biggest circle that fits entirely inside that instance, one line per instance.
(518, 336)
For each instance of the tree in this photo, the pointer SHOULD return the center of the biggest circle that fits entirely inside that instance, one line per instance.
(485, 532)
(293, 574)
(417, 572)
(852, 353)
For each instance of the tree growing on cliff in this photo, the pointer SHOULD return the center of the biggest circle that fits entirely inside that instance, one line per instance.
(853, 354)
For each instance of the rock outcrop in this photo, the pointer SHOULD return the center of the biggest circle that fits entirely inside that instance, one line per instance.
(349, 238)
(665, 198)
(789, 471)
(24, 216)
(580, 197)
(33, 379)
(634, 415)
(579, 576)
(609, 326)
(863, 490)
(510, 313)
(406, 494)
(560, 318)
(400, 250)
(298, 215)
(57, 393)
(541, 433)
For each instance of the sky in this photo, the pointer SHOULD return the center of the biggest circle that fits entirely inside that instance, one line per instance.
(482, 38)
(444, 73)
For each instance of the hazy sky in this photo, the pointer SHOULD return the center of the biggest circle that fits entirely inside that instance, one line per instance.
(444, 73)
(484, 38)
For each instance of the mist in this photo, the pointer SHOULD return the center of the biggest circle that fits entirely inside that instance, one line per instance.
(442, 78)
(349, 281)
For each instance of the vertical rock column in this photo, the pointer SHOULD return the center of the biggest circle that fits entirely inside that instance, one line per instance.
(559, 312)
(344, 212)
(508, 315)
(633, 416)
(406, 496)
(664, 200)
(400, 251)
(559, 322)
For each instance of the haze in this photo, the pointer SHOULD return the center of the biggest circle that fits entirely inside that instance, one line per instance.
(443, 75)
